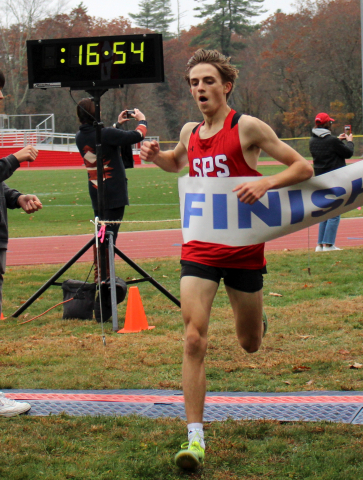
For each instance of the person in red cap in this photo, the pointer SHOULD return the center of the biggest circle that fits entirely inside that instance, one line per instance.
(329, 153)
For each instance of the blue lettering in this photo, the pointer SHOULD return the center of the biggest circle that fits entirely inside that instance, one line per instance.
(220, 221)
(270, 215)
(319, 199)
(297, 206)
(189, 210)
(356, 190)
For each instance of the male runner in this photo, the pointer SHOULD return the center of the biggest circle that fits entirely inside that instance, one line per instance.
(224, 144)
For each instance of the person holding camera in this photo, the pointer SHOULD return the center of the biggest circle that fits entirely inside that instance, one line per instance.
(114, 176)
(329, 153)
(11, 198)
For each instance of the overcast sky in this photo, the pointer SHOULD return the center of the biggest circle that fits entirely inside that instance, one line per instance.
(114, 8)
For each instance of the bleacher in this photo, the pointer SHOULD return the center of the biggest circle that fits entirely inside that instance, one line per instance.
(56, 150)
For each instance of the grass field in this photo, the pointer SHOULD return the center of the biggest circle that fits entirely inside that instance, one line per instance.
(67, 206)
(316, 324)
(314, 339)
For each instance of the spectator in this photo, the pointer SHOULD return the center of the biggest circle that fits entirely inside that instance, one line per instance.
(114, 177)
(11, 198)
(329, 153)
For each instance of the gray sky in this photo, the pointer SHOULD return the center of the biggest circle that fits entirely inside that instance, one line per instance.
(111, 9)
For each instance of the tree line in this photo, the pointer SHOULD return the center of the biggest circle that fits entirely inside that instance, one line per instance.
(291, 66)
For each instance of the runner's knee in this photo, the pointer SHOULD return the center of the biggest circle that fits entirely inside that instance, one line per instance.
(251, 343)
(195, 344)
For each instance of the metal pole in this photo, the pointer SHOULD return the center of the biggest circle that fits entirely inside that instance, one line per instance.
(361, 39)
(111, 259)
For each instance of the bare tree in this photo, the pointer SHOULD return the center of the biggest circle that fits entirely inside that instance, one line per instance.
(16, 26)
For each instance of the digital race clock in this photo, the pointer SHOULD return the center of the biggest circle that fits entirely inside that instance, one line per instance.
(96, 62)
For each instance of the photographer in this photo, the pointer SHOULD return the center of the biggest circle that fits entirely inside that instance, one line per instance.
(114, 177)
(11, 198)
(329, 153)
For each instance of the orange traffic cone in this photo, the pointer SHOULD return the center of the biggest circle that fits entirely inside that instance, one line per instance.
(135, 319)
(2, 316)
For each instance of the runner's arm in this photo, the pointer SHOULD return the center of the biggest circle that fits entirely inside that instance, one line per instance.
(169, 160)
(262, 136)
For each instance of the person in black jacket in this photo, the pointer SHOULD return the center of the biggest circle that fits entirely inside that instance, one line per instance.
(329, 153)
(11, 198)
(114, 177)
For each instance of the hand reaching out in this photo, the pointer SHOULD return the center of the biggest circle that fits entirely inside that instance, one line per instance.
(27, 154)
(29, 203)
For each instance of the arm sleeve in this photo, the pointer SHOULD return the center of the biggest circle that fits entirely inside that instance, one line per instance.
(342, 149)
(11, 197)
(8, 165)
(117, 136)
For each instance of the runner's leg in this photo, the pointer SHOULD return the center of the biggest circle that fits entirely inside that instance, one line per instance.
(197, 295)
(247, 308)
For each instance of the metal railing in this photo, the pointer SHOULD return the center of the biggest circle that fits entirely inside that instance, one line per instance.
(48, 140)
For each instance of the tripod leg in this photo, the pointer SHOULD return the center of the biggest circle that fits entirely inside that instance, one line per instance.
(111, 258)
(51, 281)
(147, 276)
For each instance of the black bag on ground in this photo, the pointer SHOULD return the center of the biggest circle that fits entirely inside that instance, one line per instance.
(83, 295)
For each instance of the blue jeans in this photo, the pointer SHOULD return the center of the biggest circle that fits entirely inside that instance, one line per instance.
(328, 231)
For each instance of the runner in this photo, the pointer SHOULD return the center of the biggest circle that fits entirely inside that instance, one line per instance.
(225, 144)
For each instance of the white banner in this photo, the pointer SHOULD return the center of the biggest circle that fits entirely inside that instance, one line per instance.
(211, 212)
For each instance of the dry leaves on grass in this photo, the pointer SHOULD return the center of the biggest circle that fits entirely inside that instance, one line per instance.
(356, 365)
(300, 368)
(275, 294)
(344, 352)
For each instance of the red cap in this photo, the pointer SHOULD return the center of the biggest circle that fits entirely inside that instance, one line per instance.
(323, 118)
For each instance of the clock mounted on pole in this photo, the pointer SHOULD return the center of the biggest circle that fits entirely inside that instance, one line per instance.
(95, 64)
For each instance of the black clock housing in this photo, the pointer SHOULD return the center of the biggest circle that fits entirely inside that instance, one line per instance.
(95, 62)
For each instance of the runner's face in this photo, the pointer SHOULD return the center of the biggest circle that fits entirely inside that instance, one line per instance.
(1, 95)
(207, 88)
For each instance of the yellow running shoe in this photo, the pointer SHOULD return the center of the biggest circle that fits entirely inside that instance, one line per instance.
(190, 456)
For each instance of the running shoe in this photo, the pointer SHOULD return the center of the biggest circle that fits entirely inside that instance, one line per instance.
(10, 408)
(190, 456)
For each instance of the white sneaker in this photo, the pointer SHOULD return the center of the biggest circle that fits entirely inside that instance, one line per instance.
(331, 248)
(10, 408)
(319, 248)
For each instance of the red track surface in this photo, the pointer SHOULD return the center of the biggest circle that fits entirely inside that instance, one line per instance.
(266, 399)
(160, 243)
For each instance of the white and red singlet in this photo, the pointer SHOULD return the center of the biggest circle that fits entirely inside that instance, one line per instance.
(221, 156)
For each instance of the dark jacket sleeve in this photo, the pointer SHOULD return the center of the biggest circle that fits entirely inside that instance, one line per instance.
(344, 150)
(115, 136)
(8, 165)
(11, 196)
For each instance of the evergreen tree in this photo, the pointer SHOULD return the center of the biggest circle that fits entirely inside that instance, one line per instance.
(146, 17)
(225, 17)
(163, 17)
(155, 15)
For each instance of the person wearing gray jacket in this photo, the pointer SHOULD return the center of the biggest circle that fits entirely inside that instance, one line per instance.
(11, 198)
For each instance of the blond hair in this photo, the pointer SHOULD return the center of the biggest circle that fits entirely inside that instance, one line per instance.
(228, 72)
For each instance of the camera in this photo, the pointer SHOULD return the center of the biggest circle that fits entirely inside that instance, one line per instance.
(347, 129)
(129, 112)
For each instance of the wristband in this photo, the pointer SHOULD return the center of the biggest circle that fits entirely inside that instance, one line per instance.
(142, 128)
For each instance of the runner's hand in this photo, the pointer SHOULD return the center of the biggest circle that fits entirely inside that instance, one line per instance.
(149, 151)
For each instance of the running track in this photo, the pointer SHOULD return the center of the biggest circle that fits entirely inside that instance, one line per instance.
(159, 243)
